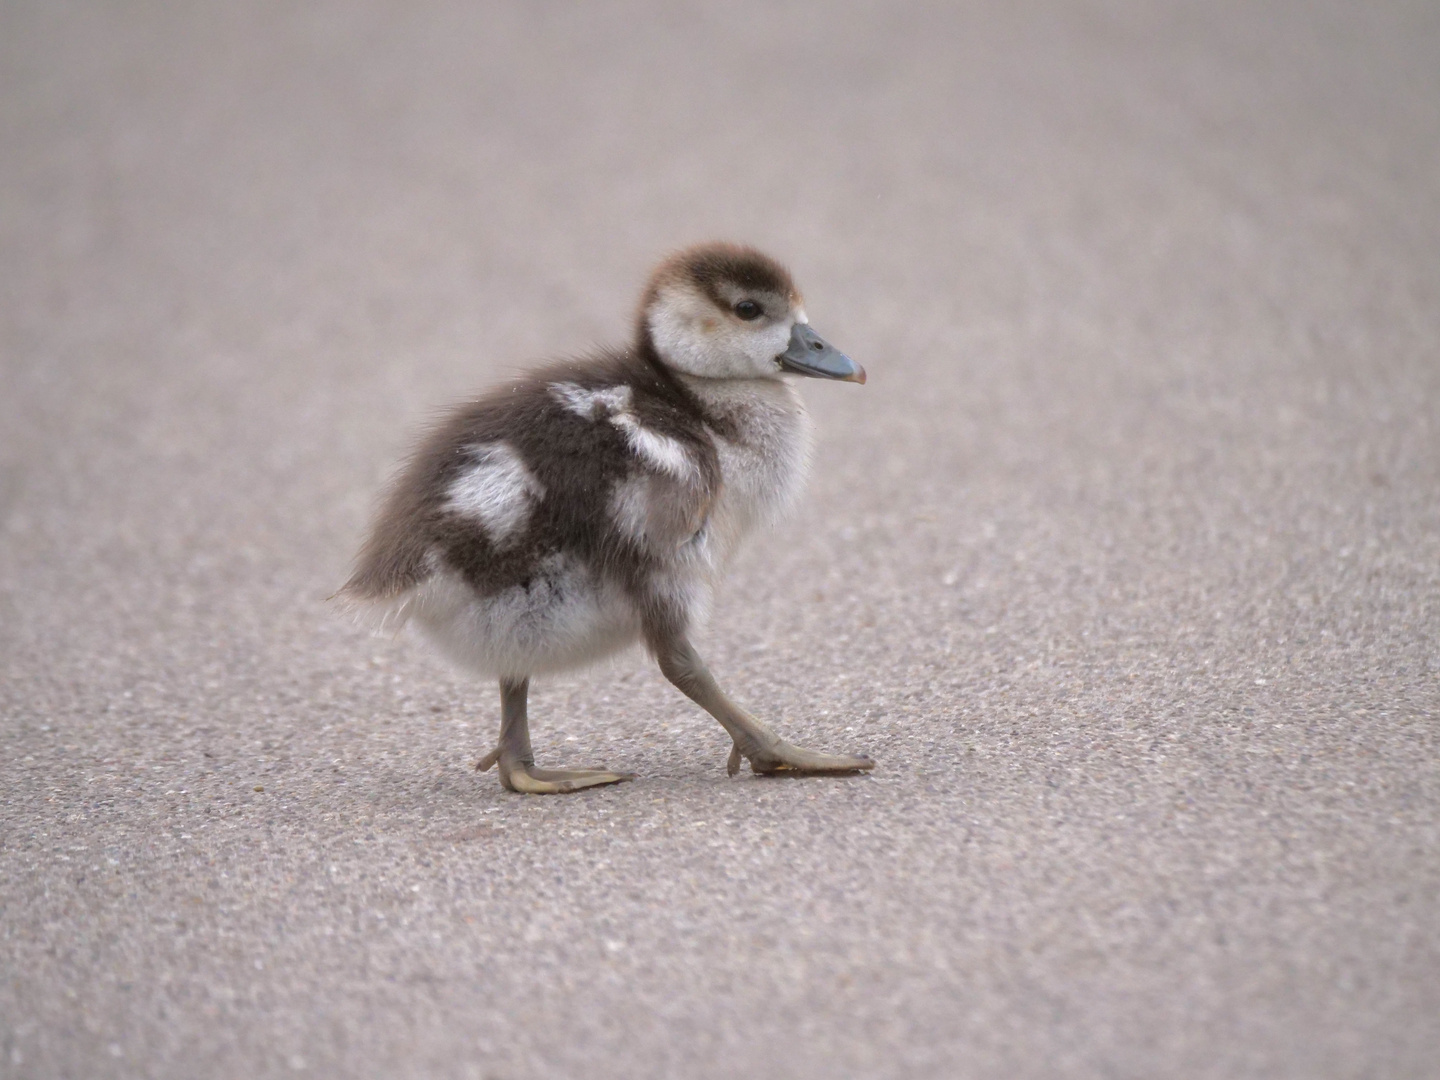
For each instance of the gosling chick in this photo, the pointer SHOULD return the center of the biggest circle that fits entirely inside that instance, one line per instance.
(595, 503)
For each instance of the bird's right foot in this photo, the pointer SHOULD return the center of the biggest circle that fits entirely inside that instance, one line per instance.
(783, 757)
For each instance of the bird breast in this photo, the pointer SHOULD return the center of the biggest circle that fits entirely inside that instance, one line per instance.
(764, 452)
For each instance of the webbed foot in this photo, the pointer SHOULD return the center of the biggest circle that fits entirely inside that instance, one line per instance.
(532, 781)
(784, 757)
(526, 777)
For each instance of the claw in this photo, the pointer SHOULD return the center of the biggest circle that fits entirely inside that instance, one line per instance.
(486, 763)
(733, 765)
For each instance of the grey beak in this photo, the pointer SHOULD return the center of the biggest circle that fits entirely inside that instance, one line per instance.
(810, 354)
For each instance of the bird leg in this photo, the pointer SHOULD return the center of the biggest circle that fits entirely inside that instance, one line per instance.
(766, 751)
(517, 760)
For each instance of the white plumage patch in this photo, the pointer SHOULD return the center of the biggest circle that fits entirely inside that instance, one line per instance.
(498, 491)
(660, 451)
(613, 402)
(592, 404)
(629, 508)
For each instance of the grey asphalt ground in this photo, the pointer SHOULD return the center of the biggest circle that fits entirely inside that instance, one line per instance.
(1125, 566)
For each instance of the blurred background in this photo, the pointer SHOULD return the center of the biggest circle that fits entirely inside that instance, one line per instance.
(1125, 565)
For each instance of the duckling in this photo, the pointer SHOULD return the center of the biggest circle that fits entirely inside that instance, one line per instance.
(595, 503)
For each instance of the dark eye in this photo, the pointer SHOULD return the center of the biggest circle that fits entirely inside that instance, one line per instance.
(749, 309)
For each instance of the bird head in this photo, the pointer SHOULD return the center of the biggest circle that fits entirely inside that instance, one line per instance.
(722, 311)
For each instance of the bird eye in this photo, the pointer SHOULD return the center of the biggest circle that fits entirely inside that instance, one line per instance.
(748, 309)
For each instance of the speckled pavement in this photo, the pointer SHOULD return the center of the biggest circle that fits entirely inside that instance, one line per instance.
(1125, 566)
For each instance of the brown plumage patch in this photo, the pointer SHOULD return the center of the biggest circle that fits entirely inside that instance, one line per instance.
(707, 266)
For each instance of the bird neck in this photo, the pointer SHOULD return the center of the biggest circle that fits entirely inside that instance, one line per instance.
(689, 392)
